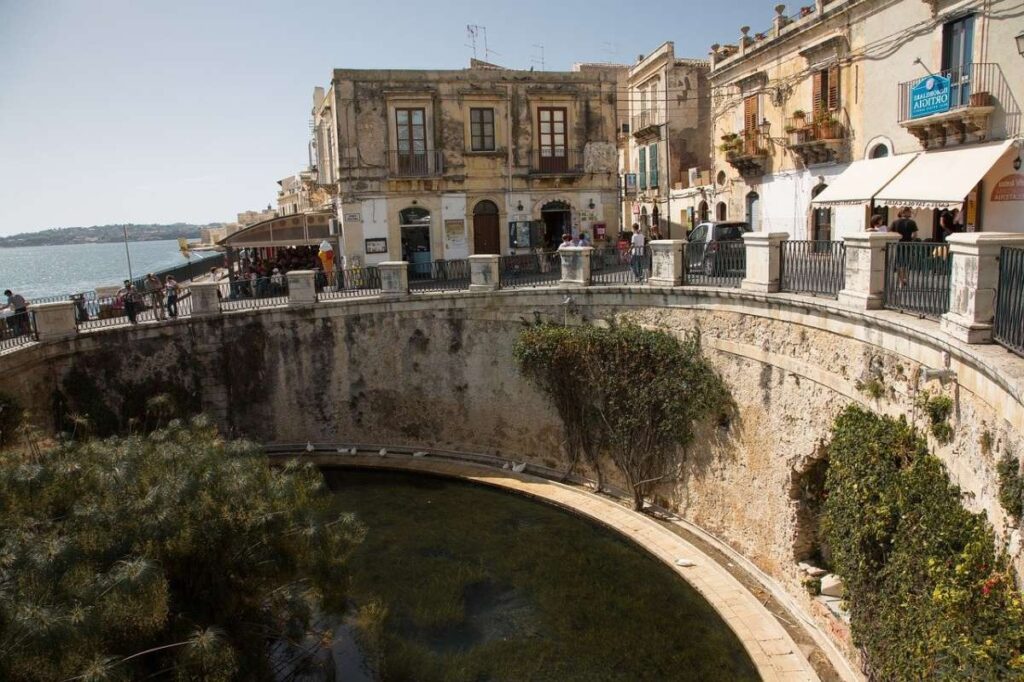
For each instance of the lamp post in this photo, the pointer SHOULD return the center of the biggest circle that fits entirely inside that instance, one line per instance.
(127, 253)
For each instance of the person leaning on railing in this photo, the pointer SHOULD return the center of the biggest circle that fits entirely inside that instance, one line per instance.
(155, 290)
(19, 320)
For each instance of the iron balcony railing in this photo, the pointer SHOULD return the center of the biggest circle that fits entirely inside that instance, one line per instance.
(17, 329)
(813, 267)
(157, 305)
(715, 264)
(439, 275)
(530, 270)
(646, 119)
(415, 164)
(610, 265)
(260, 292)
(1009, 322)
(349, 282)
(917, 278)
(971, 86)
(556, 161)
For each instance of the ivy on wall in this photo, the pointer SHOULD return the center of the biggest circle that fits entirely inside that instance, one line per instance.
(929, 595)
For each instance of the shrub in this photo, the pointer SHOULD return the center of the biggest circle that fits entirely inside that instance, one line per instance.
(929, 595)
(1011, 486)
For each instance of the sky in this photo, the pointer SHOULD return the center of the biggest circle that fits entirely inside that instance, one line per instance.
(166, 111)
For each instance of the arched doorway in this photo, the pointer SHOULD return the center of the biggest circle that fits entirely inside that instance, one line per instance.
(557, 218)
(702, 212)
(754, 211)
(415, 226)
(821, 218)
(721, 211)
(486, 230)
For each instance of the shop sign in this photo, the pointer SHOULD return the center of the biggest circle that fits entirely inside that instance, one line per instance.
(353, 217)
(1010, 188)
(930, 96)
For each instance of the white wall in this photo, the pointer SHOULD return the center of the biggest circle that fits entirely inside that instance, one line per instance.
(453, 207)
(375, 225)
(786, 200)
(1001, 216)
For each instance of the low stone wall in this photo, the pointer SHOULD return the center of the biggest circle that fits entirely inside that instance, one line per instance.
(437, 370)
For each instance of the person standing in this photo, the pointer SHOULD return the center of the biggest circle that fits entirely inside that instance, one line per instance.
(129, 298)
(906, 227)
(17, 303)
(637, 250)
(877, 224)
(155, 291)
(171, 292)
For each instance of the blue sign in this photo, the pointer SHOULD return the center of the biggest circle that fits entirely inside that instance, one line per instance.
(929, 96)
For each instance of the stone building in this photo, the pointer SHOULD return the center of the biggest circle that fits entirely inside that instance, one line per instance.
(668, 143)
(432, 165)
(799, 104)
(297, 193)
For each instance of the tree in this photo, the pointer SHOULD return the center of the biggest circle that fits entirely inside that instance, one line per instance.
(630, 393)
(173, 554)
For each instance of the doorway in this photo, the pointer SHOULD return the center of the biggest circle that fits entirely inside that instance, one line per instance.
(415, 226)
(486, 230)
(753, 211)
(557, 218)
(821, 219)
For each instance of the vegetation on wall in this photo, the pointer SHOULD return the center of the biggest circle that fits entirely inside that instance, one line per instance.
(171, 554)
(1011, 487)
(929, 595)
(637, 393)
(938, 408)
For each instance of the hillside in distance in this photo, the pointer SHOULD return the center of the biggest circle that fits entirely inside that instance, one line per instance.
(100, 234)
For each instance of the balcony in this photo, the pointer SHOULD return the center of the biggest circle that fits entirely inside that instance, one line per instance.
(823, 140)
(558, 161)
(415, 164)
(746, 151)
(974, 90)
(646, 123)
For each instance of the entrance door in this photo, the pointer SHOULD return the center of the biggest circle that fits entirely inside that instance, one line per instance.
(554, 155)
(821, 219)
(486, 229)
(957, 51)
(754, 211)
(557, 219)
(415, 226)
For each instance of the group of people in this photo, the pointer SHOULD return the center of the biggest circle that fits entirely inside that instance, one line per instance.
(162, 298)
(569, 240)
(906, 227)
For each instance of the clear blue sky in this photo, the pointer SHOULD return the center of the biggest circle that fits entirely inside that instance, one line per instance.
(185, 110)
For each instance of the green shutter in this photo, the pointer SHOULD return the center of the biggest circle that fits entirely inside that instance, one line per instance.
(654, 166)
(643, 168)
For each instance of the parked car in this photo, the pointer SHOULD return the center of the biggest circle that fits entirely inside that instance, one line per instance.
(712, 248)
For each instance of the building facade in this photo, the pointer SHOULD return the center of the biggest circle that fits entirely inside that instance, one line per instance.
(440, 165)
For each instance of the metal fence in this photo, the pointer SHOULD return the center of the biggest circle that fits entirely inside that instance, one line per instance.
(261, 292)
(610, 265)
(530, 270)
(813, 267)
(187, 271)
(92, 312)
(348, 283)
(17, 329)
(917, 278)
(439, 275)
(715, 264)
(1009, 322)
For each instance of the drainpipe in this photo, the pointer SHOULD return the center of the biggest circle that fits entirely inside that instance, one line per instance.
(508, 154)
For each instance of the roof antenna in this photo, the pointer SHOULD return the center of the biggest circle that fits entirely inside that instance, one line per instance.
(540, 61)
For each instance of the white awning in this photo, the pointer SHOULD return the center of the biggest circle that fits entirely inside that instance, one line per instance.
(862, 180)
(942, 179)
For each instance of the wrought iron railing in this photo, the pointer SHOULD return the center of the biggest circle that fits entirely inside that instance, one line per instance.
(917, 278)
(812, 267)
(529, 270)
(1009, 321)
(971, 86)
(646, 119)
(363, 281)
(260, 292)
(17, 329)
(556, 161)
(415, 164)
(439, 275)
(715, 264)
(609, 265)
(96, 312)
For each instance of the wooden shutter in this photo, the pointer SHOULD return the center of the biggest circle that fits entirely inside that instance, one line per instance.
(818, 96)
(833, 88)
(750, 114)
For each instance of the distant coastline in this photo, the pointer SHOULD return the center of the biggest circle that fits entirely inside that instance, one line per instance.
(105, 234)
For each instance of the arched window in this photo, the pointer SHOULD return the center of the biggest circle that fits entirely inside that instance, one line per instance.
(485, 207)
(702, 212)
(879, 151)
(754, 211)
(821, 218)
(721, 211)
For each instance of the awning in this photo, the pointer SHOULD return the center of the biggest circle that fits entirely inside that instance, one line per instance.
(299, 229)
(862, 180)
(942, 179)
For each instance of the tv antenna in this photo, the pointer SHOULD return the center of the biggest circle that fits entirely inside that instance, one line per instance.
(535, 60)
(473, 32)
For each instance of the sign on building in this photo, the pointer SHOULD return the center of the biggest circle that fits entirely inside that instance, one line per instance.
(1010, 188)
(930, 96)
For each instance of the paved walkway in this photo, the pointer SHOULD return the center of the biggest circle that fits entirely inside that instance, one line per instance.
(770, 647)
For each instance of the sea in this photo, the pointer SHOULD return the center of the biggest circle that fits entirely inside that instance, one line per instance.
(40, 271)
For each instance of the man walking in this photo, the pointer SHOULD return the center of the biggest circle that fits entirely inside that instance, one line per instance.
(637, 250)
(17, 303)
(156, 294)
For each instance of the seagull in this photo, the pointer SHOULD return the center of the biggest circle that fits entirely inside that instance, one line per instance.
(383, 452)
(519, 468)
(309, 447)
(353, 451)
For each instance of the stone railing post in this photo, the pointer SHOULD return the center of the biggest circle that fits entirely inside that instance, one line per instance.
(667, 263)
(301, 287)
(394, 278)
(763, 261)
(973, 283)
(575, 265)
(484, 273)
(205, 298)
(864, 270)
(54, 321)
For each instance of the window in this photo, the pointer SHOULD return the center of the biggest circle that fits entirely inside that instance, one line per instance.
(957, 56)
(879, 151)
(553, 153)
(751, 119)
(653, 157)
(826, 91)
(642, 165)
(481, 130)
(411, 136)
(654, 103)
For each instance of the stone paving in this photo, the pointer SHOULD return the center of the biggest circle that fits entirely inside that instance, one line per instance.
(770, 647)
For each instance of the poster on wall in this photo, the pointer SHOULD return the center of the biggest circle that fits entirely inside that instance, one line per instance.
(378, 245)
(1010, 188)
(454, 230)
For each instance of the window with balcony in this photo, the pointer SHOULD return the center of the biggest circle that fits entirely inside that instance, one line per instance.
(411, 136)
(642, 166)
(554, 153)
(957, 56)
(481, 129)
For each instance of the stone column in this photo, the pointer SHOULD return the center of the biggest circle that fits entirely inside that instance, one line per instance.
(864, 270)
(301, 287)
(484, 273)
(394, 278)
(667, 263)
(973, 283)
(763, 261)
(575, 265)
(54, 321)
(205, 300)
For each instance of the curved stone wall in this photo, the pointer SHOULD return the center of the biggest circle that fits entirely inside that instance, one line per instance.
(437, 370)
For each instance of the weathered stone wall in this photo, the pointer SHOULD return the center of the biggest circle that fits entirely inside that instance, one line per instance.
(437, 370)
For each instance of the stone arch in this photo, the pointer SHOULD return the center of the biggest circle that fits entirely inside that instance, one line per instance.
(878, 147)
(539, 204)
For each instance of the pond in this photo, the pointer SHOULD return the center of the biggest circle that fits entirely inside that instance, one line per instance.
(458, 581)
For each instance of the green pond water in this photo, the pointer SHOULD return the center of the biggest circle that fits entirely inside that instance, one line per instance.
(481, 584)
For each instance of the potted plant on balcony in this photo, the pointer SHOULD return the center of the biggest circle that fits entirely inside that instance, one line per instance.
(981, 99)
(799, 118)
(828, 127)
(732, 145)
